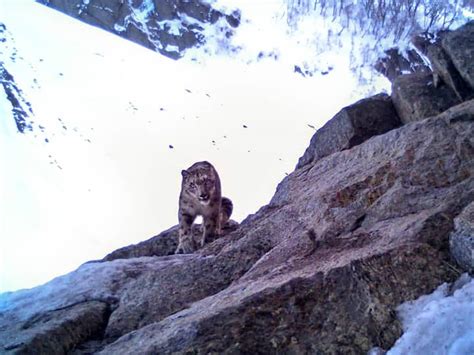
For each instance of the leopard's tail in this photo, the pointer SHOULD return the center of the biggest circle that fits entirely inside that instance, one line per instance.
(226, 210)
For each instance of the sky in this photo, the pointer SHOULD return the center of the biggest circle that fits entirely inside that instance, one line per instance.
(115, 123)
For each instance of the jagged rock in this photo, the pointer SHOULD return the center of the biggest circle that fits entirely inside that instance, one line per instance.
(351, 126)
(415, 97)
(461, 241)
(164, 243)
(459, 45)
(20, 106)
(166, 26)
(443, 67)
(395, 64)
(57, 331)
(321, 269)
(444, 70)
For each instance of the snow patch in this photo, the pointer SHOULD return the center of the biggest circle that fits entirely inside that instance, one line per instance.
(439, 323)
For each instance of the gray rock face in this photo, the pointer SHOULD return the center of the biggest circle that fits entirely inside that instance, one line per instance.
(336, 243)
(461, 241)
(445, 71)
(415, 97)
(57, 331)
(164, 243)
(395, 64)
(351, 126)
(165, 26)
(321, 269)
(459, 45)
(21, 109)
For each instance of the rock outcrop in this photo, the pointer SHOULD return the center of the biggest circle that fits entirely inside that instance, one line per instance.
(347, 237)
(351, 126)
(165, 26)
(416, 97)
(395, 64)
(20, 106)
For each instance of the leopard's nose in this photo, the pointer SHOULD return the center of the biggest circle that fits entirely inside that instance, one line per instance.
(204, 197)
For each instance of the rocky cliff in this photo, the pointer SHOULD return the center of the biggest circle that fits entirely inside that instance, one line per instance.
(165, 26)
(378, 212)
(21, 108)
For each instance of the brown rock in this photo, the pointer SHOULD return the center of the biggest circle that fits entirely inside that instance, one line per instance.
(415, 97)
(351, 126)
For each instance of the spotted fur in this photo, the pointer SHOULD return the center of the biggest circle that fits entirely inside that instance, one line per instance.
(201, 196)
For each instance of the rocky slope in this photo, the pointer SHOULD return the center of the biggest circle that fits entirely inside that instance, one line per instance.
(362, 225)
(21, 108)
(168, 26)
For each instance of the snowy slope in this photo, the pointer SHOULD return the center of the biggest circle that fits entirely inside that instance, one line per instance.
(97, 171)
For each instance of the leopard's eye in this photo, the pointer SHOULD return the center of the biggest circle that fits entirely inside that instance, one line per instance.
(192, 185)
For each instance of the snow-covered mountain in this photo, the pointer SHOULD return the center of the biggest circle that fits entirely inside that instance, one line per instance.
(107, 125)
(168, 27)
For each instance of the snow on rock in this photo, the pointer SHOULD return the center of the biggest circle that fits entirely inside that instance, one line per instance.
(21, 109)
(168, 27)
(439, 323)
(101, 281)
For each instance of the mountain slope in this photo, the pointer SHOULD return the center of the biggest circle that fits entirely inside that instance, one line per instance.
(168, 27)
(346, 239)
(113, 124)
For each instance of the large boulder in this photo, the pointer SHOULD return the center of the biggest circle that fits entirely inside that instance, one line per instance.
(415, 97)
(351, 126)
(165, 26)
(462, 239)
(459, 45)
(21, 109)
(321, 269)
(444, 71)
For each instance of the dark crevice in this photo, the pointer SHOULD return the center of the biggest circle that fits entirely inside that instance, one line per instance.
(358, 223)
(96, 341)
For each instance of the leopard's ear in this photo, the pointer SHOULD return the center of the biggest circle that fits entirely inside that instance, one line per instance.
(184, 173)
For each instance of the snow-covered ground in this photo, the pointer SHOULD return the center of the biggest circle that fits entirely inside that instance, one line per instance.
(114, 124)
(441, 323)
